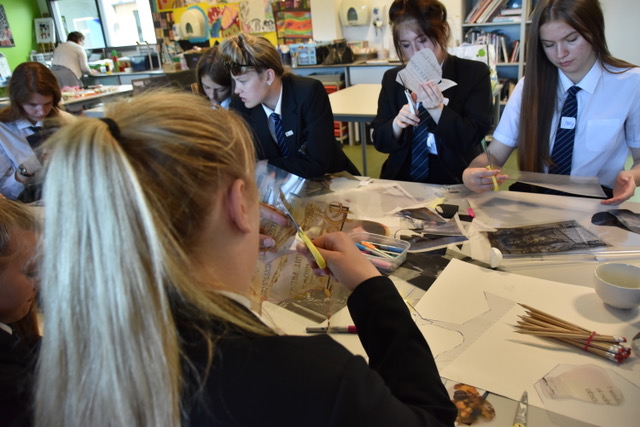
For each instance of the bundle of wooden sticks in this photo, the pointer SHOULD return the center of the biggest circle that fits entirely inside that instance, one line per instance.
(541, 324)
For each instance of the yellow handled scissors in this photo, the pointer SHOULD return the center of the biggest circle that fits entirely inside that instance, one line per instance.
(305, 239)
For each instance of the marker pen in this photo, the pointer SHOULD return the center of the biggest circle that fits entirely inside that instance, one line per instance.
(331, 330)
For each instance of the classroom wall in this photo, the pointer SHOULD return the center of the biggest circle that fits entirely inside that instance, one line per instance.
(382, 39)
(620, 16)
(20, 15)
(620, 19)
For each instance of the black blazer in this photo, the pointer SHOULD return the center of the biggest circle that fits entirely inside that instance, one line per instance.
(16, 368)
(307, 122)
(465, 120)
(314, 381)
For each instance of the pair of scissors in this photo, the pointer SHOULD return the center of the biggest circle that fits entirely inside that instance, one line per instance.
(305, 239)
(408, 95)
(520, 419)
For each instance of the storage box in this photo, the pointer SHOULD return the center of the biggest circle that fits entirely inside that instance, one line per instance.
(308, 53)
(385, 253)
(141, 62)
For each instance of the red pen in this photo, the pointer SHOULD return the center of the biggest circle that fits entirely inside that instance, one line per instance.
(470, 211)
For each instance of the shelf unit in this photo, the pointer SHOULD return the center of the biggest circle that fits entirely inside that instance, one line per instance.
(513, 31)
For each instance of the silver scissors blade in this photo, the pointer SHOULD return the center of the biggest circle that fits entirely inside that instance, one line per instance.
(520, 419)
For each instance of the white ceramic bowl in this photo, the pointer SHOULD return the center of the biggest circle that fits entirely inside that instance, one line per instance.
(618, 285)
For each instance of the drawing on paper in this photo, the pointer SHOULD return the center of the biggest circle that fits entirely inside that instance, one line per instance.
(564, 236)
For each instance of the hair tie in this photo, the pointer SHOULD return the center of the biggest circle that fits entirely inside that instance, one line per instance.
(113, 127)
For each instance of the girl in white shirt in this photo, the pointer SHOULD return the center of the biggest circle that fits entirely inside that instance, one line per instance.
(34, 97)
(567, 47)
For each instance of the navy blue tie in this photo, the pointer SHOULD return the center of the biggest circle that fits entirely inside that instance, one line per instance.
(277, 128)
(419, 150)
(35, 139)
(563, 145)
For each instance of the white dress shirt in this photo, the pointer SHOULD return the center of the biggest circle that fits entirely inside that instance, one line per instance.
(608, 121)
(16, 151)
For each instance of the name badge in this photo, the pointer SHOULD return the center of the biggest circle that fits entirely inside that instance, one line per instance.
(567, 123)
(289, 133)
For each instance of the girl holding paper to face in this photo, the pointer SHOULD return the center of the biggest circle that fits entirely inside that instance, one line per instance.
(454, 120)
(567, 50)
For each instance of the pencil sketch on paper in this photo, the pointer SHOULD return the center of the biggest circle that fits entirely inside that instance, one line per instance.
(257, 16)
(556, 237)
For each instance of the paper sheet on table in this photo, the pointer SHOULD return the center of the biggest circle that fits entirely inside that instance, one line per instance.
(423, 67)
(507, 363)
(579, 185)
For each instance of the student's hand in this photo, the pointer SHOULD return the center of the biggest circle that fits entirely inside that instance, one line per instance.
(430, 96)
(404, 119)
(344, 260)
(479, 179)
(623, 189)
(267, 243)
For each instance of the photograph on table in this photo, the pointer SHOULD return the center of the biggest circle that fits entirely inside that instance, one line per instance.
(555, 237)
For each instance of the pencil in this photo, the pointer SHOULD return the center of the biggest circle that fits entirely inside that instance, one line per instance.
(545, 325)
(490, 165)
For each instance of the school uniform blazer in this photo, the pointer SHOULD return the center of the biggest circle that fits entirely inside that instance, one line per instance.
(16, 368)
(307, 121)
(314, 381)
(465, 120)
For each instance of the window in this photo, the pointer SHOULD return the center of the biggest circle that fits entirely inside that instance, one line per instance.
(105, 23)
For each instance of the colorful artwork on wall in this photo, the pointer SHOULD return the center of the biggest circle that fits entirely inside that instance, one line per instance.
(256, 16)
(294, 26)
(224, 21)
(6, 37)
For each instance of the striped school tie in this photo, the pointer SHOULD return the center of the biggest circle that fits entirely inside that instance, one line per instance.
(563, 145)
(419, 150)
(277, 127)
(35, 139)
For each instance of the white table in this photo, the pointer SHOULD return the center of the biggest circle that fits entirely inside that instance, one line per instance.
(358, 103)
(504, 209)
(77, 105)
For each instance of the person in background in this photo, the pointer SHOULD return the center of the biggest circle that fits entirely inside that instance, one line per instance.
(214, 80)
(145, 285)
(437, 142)
(290, 115)
(34, 98)
(19, 332)
(71, 56)
(569, 67)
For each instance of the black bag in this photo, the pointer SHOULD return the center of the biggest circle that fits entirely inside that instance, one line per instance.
(339, 53)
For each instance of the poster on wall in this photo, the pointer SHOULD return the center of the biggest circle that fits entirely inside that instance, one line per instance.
(224, 21)
(44, 30)
(6, 38)
(257, 16)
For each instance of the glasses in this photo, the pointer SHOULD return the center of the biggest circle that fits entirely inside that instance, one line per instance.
(232, 66)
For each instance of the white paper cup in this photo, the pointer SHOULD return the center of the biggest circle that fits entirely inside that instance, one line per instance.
(618, 285)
